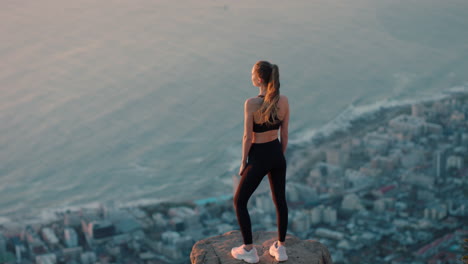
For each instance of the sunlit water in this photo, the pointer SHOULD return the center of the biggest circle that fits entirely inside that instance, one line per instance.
(133, 101)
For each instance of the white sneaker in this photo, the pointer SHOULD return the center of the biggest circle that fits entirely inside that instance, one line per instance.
(278, 252)
(247, 256)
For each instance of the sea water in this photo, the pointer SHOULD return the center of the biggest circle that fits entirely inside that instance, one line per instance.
(142, 101)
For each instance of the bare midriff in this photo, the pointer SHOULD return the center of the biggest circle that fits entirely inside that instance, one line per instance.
(264, 137)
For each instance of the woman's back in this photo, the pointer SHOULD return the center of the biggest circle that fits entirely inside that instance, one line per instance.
(282, 106)
(266, 136)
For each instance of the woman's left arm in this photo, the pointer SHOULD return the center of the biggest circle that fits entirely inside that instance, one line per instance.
(248, 130)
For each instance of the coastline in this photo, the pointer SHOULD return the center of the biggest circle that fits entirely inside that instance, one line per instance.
(301, 155)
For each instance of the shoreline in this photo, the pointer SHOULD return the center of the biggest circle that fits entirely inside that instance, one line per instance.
(302, 156)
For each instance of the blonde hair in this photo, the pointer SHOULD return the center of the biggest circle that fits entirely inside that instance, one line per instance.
(268, 111)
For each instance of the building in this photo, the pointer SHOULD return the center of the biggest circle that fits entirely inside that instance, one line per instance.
(336, 156)
(407, 127)
(35, 245)
(432, 128)
(72, 219)
(385, 163)
(371, 173)
(265, 203)
(329, 215)
(72, 253)
(379, 205)
(20, 249)
(316, 214)
(377, 143)
(454, 161)
(440, 162)
(457, 116)
(355, 179)
(49, 258)
(421, 182)
(97, 231)
(351, 202)
(88, 257)
(49, 236)
(300, 221)
(71, 238)
(436, 211)
(299, 193)
(3, 242)
(457, 207)
(419, 110)
(327, 233)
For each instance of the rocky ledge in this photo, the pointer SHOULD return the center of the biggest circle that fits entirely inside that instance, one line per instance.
(217, 249)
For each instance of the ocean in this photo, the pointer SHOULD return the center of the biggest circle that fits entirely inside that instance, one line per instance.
(135, 102)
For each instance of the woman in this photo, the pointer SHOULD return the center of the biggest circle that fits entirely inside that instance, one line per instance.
(264, 116)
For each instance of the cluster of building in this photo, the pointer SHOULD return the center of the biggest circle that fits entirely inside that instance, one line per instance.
(85, 236)
(395, 195)
(401, 188)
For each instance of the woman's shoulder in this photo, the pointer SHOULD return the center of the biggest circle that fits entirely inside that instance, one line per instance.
(251, 104)
(253, 100)
(283, 99)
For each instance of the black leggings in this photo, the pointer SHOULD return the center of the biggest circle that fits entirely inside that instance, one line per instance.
(264, 158)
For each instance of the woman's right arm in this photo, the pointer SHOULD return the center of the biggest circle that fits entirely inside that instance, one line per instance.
(248, 130)
(284, 126)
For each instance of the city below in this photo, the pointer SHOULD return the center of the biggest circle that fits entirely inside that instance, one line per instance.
(392, 188)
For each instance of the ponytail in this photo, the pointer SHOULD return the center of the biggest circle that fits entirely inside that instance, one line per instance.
(268, 111)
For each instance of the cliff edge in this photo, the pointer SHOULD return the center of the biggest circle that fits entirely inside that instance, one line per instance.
(217, 249)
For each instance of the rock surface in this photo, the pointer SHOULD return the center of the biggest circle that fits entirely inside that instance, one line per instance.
(217, 249)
